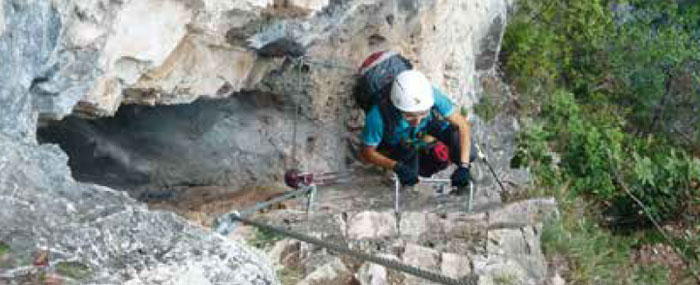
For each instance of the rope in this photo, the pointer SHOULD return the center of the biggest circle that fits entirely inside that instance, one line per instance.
(482, 155)
(653, 221)
(299, 63)
(389, 263)
(329, 64)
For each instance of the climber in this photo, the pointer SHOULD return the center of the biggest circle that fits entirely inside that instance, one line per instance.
(417, 131)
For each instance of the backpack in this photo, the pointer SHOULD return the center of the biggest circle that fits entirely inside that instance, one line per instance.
(373, 86)
(376, 76)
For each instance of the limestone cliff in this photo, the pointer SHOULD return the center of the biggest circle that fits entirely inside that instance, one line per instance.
(109, 53)
(156, 93)
(54, 229)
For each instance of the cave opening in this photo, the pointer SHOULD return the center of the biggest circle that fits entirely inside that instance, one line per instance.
(230, 141)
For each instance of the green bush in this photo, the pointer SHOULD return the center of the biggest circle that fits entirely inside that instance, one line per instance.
(4, 248)
(591, 82)
(661, 177)
(653, 63)
(594, 147)
(602, 93)
(533, 152)
(264, 238)
(595, 256)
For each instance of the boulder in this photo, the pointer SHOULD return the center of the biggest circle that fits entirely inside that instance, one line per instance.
(83, 232)
(372, 225)
(455, 266)
(524, 212)
(102, 234)
(421, 257)
(334, 272)
(421, 227)
(373, 274)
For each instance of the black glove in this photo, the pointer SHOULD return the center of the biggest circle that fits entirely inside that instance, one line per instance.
(408, 176)
(460, 177)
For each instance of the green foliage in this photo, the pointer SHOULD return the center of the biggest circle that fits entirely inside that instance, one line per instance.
(264, 238)
(4, 248)
(289, 276)
(594, 80)
(487, 108)
(556, 43)
(594, 255)
(608, 91)
(642, 56)
(75, 270)
(652, 62)
(5, 260)
(594, 147)
(505, 278)
(533, 151)
(690, 241)
(662, 178)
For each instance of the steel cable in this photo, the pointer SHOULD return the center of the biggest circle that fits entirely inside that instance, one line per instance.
(389, 263)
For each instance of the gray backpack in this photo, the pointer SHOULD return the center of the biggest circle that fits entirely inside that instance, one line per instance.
(376, 75)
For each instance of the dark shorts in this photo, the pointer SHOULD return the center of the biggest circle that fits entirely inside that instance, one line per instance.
(424, 160)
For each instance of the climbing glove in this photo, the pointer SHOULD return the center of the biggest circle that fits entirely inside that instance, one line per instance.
(460, 177)
(408, 176)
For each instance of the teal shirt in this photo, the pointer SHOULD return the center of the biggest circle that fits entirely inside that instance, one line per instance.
(373, 132)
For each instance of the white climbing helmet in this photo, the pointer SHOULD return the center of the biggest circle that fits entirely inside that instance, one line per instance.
(412, 92)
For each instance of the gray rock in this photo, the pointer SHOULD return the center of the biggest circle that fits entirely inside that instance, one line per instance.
(421, 227)
(372, 274)
(455, 266)
(105, 235)
(421, 257)
(490, 44)
(284, 251)
(464, 226)
(334, 272)
(92, 67)
(556, 280)
(115, 238)
(525, 212)
(498, 270)
(80, 57)
(28, 37)
(521, 245)
(372, 225)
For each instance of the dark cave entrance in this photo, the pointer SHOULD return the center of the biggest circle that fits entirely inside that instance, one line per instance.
(207, 142)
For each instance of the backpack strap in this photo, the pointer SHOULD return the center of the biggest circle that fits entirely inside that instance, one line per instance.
(390, 115)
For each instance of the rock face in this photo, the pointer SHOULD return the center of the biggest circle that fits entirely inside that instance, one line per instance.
(105, 54)
(107, 236)
(498, 246)
(53, 229)
(256, 112)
